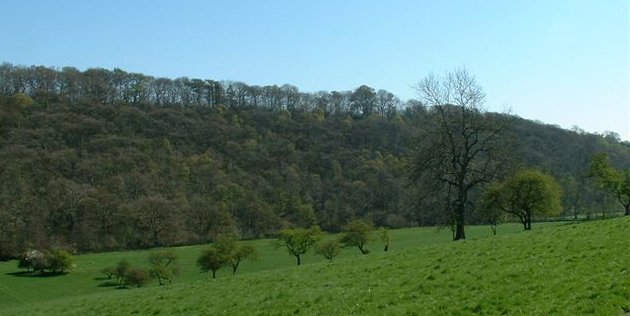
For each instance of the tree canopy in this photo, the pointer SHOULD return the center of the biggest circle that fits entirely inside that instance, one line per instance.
(298, 241)
(615, 181)
(525, 194)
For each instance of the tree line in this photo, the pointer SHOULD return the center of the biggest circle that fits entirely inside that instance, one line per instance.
(88, 164)
(97, 85)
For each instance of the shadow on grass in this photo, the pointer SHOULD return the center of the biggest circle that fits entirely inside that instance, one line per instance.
(31, 274)
(109, 284)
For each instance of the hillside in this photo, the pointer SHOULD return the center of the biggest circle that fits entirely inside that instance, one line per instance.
(571, 269)
(107, 160)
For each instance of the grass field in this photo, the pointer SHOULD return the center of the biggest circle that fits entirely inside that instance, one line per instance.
(555, 269)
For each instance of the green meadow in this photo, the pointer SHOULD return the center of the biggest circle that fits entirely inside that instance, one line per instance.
(555, 269)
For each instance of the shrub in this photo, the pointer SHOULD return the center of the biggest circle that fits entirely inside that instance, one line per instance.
(56, 260)
(60, 260)
(121, 270)
(328, 248)
(109, 272)
(137, 277)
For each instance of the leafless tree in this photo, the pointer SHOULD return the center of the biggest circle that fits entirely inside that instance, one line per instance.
(459, 145)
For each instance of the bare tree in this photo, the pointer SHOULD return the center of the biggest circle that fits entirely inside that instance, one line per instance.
(459, 143)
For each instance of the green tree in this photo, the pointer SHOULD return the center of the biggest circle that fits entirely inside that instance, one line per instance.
(616, 182)
(328, 248)
(234, 252)
(385, 238)
(357, 233)
(489, 210)
(60, 260)
(298, 241)
(22, 100)
(239, 254)
(109, 272)
(524, 194)
(164, 265)
(212, 259)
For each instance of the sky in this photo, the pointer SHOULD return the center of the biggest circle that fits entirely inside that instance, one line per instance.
(562, 62)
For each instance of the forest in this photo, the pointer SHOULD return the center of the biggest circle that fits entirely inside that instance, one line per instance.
(101, 159)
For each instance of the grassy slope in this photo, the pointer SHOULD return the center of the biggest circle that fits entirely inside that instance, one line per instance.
(567, 269)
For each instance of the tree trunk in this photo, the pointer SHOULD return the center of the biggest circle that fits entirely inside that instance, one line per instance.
(627, 209)
(363, 251)
(298, 259)
(459, 222)
(528, 221)
(214, 274)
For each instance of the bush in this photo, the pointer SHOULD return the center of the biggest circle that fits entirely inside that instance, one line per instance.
(109, 272)
(121, 270)
(55, 260)
(60, 260)
(328, 248)
(137, 277)
(211, 259)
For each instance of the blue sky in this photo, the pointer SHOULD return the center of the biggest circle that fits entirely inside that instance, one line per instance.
(562, 62)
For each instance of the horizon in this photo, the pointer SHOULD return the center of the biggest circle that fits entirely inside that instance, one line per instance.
(564, 63)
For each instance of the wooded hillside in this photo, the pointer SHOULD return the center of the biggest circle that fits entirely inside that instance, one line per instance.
(105, 159)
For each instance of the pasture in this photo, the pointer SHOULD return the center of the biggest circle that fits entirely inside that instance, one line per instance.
(554, 269)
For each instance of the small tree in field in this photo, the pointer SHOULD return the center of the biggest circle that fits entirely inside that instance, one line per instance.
(109, 272)
(357, 233)
(42, 261)
(616, 182)
(385, 238)
(212, 259)
(121, 269)
(29, 259)
(234, 252)
(328, 248)
(60, 260)
(298, 241)
(163, 265)
(242, 252)
(490, 210)
(524, 194)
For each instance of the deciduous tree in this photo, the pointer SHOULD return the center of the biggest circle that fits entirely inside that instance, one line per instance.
(164, 265)
(234, 252)
(459, 143)
(328, 248)
(357, 233)
(525, 194)
(212, 259)
(615, 181)
(298, 241)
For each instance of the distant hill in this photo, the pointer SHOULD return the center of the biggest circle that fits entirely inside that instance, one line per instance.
(101, 160)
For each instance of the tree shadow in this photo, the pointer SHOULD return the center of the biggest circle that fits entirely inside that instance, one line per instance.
(31, 274)
(102, 279)
(109, 284)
